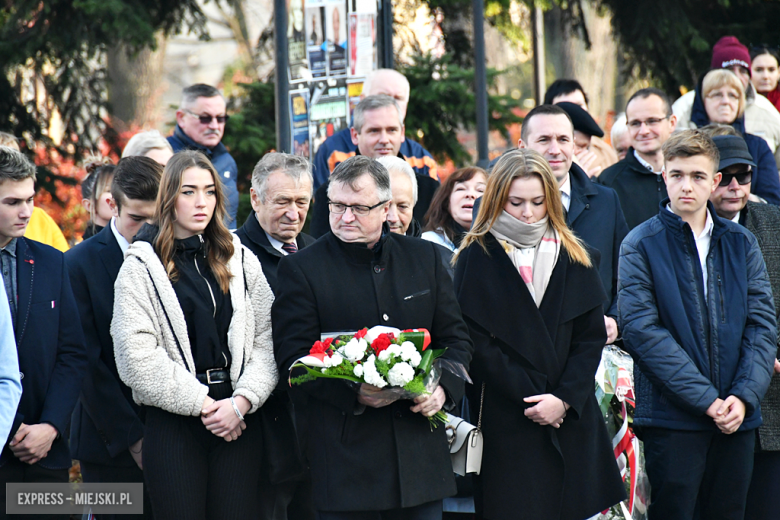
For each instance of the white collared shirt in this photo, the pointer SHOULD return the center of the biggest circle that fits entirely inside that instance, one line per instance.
(276, 244)
(736, 217)
(646, 164)
(122, 241)
(703, 245)
(566, 192)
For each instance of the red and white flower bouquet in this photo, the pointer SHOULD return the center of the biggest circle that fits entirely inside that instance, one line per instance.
(394, 364)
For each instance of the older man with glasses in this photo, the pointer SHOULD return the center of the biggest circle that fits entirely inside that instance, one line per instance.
(360, 275)
(200, 125)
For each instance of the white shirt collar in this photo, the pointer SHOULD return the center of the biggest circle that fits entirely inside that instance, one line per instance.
(645, 163)
(276, 244)
(122, 241)
(566, 192)
(709, 224)
(736, 217)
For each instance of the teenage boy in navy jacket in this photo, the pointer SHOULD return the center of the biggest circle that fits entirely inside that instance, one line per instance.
(49, 341)
(697, 316)
(107, 432)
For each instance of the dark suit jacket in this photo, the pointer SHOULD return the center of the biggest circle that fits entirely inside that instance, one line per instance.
(390, 456)
(105, 421)
(253, 236)
(597, 218)
(50, 344)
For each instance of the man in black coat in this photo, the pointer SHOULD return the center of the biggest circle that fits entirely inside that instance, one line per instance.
(281, 194)
(107, 430)
(365, 456)
(592, 211)
(637, 179)
(50, 344)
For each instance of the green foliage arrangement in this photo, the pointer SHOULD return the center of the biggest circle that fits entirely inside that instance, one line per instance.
(442, 102)
(671, 40)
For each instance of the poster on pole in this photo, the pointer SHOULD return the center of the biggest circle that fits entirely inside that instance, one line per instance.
(315, 38)
(362, 44)
(299, 122)
(296, 42)
(354, 90)
(336, 33)
(328, 113)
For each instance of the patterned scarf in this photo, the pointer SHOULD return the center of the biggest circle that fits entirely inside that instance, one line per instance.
(532, 248)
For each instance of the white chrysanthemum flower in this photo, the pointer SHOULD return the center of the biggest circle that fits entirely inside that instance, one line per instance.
(355, 349)
(400, 374)
(334, 360)
(394, 350)
(415, 359)
(358, 370)
(371, 375)
(384, 355)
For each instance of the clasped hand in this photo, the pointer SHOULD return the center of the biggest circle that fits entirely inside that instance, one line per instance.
(728, 415)
(427, 405)
(220, 419)
(32, 442)
(548, 410)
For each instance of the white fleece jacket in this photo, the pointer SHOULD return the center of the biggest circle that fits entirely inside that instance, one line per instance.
(147, 357)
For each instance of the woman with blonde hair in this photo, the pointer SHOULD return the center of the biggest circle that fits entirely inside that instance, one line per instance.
(532, 299)
(192, 339)
(723, 101)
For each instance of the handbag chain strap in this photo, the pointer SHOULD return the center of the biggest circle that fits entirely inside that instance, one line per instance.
(481, 402)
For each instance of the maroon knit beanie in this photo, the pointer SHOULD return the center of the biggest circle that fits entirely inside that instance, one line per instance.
(729, 52)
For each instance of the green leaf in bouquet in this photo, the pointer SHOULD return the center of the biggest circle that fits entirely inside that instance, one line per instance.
(314, 373)
(418, 338)
(428, 357)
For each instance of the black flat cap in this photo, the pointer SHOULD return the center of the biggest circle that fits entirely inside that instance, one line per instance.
(581, 119)
(733, 150)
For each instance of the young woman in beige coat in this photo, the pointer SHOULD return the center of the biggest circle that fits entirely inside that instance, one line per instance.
(192, 339)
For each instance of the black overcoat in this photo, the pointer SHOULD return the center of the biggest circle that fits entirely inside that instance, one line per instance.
(531, 471)
(382, 458)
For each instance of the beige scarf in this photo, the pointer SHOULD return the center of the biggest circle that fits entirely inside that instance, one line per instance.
(532, 248)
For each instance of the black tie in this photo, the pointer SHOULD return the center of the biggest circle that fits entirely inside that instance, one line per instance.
(290, 248)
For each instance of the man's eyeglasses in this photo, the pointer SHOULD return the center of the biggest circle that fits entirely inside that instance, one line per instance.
(205, 120)
(653, 122)
(743, 177)
(357, 209)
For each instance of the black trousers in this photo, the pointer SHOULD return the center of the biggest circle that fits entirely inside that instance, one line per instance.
(427, 511)
(15, 470)
(765, 487)
(698, 475)
(100, 473)
(191, 474)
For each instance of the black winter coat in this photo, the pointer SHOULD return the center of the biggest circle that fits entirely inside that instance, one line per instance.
(382, 458)
(639, 190)
(530, 471)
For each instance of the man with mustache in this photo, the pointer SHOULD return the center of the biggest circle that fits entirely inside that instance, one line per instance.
(200, 125)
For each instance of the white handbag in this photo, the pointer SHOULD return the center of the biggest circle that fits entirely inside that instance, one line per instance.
(466, 442)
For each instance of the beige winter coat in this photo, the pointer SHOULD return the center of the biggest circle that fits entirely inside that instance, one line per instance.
(148, 358)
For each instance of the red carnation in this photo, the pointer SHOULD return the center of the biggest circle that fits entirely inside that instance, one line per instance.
(381, 343)
(361, 334)
(321, 347)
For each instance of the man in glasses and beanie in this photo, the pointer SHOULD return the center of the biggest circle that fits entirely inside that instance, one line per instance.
(200, 125)
(730, 200)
